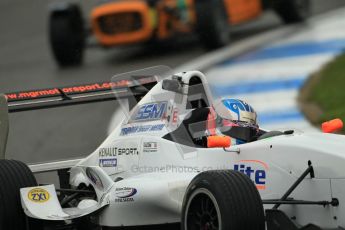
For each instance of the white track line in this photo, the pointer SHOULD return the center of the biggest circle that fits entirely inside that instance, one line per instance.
(236, 48)
(272, 75)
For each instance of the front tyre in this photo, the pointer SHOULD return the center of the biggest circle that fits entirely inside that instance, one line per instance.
(67, 35)
(212, 24)
(85, 223)
(14, 175)
(292, 11)
(222, 200)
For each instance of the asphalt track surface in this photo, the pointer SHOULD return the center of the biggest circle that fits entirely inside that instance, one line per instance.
(26, 63)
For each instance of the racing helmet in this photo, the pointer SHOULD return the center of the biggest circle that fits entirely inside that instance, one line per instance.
(234, 118)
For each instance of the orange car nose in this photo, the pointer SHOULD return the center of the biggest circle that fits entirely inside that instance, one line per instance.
(122, 22)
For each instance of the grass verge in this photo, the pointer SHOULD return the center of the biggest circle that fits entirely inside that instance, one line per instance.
(323, 97)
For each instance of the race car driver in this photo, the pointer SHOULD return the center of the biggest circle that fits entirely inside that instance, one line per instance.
(234, 118)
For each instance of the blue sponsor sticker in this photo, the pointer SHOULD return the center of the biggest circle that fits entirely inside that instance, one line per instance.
(141, 129)
(125, 194)
(151, 112)
(112, 162)
(255, 170)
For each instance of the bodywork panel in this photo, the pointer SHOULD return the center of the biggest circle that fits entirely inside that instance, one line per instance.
(42, 203)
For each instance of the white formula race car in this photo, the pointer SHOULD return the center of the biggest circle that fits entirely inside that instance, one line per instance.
(159, 166)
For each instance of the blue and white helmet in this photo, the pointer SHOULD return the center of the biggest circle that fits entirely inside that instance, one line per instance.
(236, 119)
(236, 110)
(240, 111)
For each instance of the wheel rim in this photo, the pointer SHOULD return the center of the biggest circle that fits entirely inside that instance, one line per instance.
(202, 211)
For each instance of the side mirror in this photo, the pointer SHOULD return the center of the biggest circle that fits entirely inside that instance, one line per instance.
(332, 126)
(172, 85)
(218, 142)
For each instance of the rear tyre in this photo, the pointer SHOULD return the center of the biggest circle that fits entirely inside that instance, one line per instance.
(13, 176)
(67, 35)
(212, 24)
(222, 200)
(292, 11)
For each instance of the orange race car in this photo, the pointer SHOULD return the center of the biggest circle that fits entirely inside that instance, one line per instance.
(124, 22)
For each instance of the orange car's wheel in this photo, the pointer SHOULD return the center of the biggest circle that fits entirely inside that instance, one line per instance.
(67, 36)
(292, 11)
(212, 23)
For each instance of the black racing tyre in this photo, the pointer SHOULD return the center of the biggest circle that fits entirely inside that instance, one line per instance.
(85, 223)
(292, 11)
(212, 24)
(67, 35)
(222, 200)
(13, 176)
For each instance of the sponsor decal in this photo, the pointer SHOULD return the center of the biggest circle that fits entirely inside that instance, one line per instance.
(38, 195)
(67, 90)
(255, 170)
(108, 162)
(115, 151)
(150, 147)
(87, 88)
(125, 194)
(96, 180)
(141, 129)
(151, 112)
